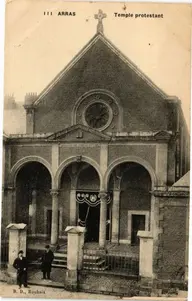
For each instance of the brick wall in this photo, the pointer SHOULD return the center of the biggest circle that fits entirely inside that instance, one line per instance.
(92, 151)
(172, 240)
(135, 195)
(146, 152)
(20, 151)
(139, 100)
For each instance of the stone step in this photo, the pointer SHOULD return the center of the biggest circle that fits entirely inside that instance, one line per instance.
(89, 258)
(59, 260)
(59, 265)
(57, 254)
(99, 263)
(96, 268)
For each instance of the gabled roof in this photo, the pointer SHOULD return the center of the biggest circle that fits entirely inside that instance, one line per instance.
(113, 48)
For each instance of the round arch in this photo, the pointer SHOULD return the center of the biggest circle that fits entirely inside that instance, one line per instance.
(70, 160)
(99, 91)
(19, 164)
(133, 159)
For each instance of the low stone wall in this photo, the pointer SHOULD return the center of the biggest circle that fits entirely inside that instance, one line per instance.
(101, 283)
(126, 286)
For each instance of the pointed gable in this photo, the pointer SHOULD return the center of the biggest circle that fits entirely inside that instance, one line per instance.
(100, 65)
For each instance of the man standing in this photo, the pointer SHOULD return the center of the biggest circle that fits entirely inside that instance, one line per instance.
(20, 264)
(47, 260)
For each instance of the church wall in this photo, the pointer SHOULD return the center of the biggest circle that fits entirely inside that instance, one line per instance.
(100, 68)
(146, 152)
(132, 200)
(134, 196)
(43, 201)
(30, 207)
(64, 204)
(20, 151)
(64, 201)
(171, 164)
(89, 150)
(172, 240)
(88, 180)
(4, 213)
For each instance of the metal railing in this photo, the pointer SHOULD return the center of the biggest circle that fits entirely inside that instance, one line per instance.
(112, 261)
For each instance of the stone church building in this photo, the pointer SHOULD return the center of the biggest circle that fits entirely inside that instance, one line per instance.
(104, 148)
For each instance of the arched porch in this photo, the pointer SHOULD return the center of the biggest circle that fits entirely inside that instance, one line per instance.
(130, 183)
(79, 182)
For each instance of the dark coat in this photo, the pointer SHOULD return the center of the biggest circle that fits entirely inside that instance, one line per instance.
(47, 260)
(20, 264)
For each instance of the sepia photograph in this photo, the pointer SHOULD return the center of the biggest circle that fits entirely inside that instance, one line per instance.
(96, 150)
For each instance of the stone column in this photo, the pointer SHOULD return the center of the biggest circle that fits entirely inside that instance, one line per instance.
(115, 216)
(17, 242)
(33, 212)
(75, 243)
(103, 218)
(55, 216)
(73, 208)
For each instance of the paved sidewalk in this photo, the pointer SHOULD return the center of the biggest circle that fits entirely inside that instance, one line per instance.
(8, 291)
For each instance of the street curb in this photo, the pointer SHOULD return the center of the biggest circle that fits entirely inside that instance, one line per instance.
(46, 285)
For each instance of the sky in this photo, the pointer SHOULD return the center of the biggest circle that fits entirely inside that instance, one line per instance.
(38, 47)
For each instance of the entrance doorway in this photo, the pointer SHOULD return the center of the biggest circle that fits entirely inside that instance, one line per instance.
(138, 223)
(89, 217)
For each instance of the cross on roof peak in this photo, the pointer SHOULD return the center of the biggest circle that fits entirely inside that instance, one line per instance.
(100, 16)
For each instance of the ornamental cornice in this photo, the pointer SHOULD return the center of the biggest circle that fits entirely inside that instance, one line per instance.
(184, 193)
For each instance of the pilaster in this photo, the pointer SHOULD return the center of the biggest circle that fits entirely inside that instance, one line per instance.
(161, 163)
(55, 217)
(103, 158)
(55, 158)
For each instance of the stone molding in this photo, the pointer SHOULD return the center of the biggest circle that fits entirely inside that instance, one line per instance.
(73, 159)
(178, 194)
(126, 159)
(93, 92)
(19, 164)
(103, 195)
(54, 192)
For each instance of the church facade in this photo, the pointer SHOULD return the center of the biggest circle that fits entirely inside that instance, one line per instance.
(103, 146)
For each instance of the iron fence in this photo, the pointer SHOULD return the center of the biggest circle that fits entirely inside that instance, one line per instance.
(112, 261)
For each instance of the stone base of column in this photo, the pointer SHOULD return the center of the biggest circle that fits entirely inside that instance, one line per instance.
(114, 240)
(71, 280)
(11, 275)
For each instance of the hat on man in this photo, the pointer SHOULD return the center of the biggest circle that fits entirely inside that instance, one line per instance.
(20, 252)
(47, 247)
